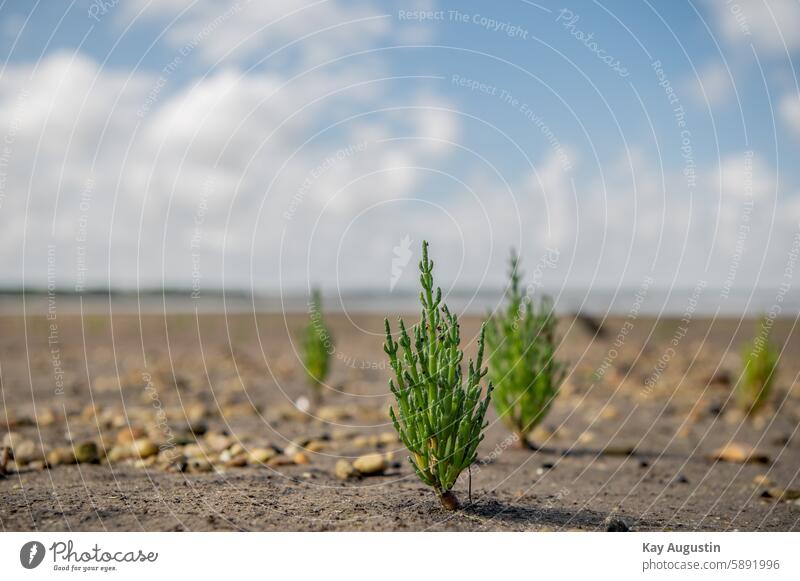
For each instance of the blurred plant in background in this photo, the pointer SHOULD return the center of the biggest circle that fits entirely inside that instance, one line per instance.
(760, 360)
(523, 366)
(317, 347)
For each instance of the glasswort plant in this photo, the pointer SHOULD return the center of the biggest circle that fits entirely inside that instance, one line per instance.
(522, 366)
(760, 366)
(317, 346)
(440, 414)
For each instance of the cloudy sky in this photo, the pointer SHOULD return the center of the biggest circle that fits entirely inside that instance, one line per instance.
(274, 145)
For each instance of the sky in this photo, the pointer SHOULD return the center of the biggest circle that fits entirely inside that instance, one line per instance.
(274, 146)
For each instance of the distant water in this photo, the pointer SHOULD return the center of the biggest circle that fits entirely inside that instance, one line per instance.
(648, 301)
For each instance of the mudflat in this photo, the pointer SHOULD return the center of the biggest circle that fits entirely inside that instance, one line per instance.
(191, 422)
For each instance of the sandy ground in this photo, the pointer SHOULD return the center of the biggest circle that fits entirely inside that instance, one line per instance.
(210, 390)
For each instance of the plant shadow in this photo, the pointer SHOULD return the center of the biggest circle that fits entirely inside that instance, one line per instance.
(547, 516)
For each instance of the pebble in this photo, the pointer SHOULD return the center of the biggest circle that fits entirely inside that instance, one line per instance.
(345, 470)
(331, 413)
(617, 525)
(87, 453)
(739, 453)
(236, 461)
(145, 448)
(370, 464)
(26, 451)
(129, 435)
(12, 438)
(199, 465)
(762, 480)
(261, 455)
(59, 456)
(777, 494)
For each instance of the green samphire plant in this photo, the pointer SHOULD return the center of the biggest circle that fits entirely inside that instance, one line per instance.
(439, 413)
(758, 375)
(522, 363)
(317, 346)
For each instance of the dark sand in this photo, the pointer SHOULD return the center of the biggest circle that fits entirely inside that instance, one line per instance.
(611, 448)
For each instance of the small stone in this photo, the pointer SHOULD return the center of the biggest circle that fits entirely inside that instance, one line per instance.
(777, 494)
(144, 448)
(236, 461)
(261, 455)
(87, 453)
(12, 438)
(617, 525)
(315, 446)
(300, 458)
(199, 465)
(60, 456)
(387, 438)
(619, 450)
(46, 418)
(118, 453)
(680, 479)
(193, 451)
(345, 470)
(739, 453)
(144, 462)
(609, 413)
(26, 451)
(333, 413)
(218, 442)
(129, 435)
(280, 461)
(762, 480)
(370, 464)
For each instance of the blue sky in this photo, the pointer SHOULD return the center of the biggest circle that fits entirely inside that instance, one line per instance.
(278, 145)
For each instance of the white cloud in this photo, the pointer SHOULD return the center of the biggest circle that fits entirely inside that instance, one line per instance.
(743, 175)
(770, 25)
(790, 112)
(712, 84)
(231, 29)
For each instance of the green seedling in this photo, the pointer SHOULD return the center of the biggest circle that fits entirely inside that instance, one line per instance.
(523, 367)
(317, 347)
(760, 367)
(439, 413)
